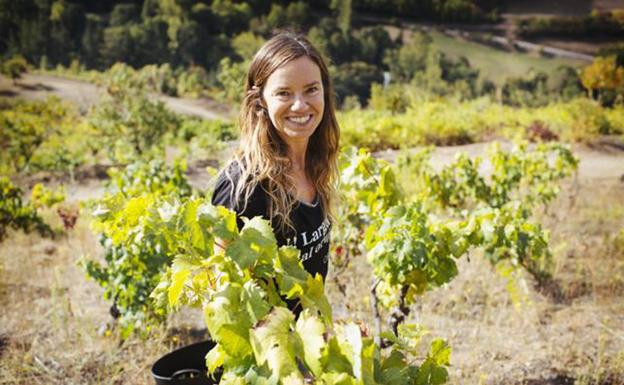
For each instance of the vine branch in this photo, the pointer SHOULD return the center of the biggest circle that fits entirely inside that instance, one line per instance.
(400, 312)
(375, 310)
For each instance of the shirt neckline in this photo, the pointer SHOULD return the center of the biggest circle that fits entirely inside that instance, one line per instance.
(313, 204)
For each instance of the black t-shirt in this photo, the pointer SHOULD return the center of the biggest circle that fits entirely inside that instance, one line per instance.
(312, 227)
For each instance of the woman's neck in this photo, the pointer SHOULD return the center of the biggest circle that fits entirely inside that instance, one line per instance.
(297, 155)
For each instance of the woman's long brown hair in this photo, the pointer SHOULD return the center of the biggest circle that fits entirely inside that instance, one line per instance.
(262, 155)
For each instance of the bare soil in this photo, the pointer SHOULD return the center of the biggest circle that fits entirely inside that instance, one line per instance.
(83, 94)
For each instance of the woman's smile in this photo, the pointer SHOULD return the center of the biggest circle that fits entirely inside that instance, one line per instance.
(299, 122)
(302, 120)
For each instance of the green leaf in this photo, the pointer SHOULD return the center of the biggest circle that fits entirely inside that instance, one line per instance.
(334, 359)
(272, 343)
(433, 371)
(199, 236)
(215, 358)
(314, 298)
(255, 305)
(350, 333)
(220, 220)
(255, 244)
(230, 378)
(440, 352)
(333, 378)
(225, 308)
(393, 369)
(234, 340)
(295, 282)
(263, 227)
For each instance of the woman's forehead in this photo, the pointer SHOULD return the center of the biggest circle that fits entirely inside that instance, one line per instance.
(299, 72)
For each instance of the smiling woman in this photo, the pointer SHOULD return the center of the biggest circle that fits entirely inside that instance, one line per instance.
(285, 168)
(294, 99)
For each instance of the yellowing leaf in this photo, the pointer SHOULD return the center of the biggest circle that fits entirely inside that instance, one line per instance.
(272, 343)
(311, 330)
(177, 284)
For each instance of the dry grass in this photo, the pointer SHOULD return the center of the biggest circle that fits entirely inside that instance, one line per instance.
(568, 332)
(52, 318)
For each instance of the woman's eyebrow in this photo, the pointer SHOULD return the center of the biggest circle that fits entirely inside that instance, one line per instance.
(280, 88)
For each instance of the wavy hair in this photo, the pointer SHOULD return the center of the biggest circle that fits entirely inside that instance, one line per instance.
(262, 155)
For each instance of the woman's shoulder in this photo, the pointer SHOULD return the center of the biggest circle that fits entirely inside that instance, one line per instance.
(225, 188)
(227, 179)
(231, 171)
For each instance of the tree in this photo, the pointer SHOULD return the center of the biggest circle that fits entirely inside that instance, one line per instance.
(373, 43)
(233, 16)
(530, 91)
(567, 83)
(31, 37)
(151, 42)
(124, 14)
(298, 14)
(460, 71)
(603, 75)
(246, 44)
(276, 18)
(66, 23)
(343, 10)
(355, 78)
(117, 46)
(92, 40)
(391, 98)
(231, 76)
(411, 58)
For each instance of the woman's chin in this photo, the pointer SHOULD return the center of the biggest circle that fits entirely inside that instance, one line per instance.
(298, 132)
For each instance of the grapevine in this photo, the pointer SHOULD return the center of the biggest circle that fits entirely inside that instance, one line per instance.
(134, 254)
(412, 242)
(530, 176)
(240, 289)
(16, 214)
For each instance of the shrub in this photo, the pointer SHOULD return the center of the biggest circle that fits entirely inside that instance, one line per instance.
(14, 67)
(17, 214)
(128, 122)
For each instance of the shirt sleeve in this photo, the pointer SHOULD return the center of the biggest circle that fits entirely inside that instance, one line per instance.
(223, 195)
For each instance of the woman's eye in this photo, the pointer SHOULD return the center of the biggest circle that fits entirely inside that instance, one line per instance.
(282, 93)
(312, 90)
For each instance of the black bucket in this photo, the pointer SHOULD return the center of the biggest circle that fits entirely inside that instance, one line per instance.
(184, 366)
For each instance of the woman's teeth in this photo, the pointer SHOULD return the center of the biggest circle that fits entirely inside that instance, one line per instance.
(300, 119)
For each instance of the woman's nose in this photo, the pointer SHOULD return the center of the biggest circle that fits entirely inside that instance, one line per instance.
(298, 103)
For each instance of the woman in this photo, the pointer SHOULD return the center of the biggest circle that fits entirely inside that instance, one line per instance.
(285, 167)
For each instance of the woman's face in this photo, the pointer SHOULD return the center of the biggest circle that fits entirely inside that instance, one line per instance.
(294, 97)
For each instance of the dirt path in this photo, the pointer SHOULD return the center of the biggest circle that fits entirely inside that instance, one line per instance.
(33, 86)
